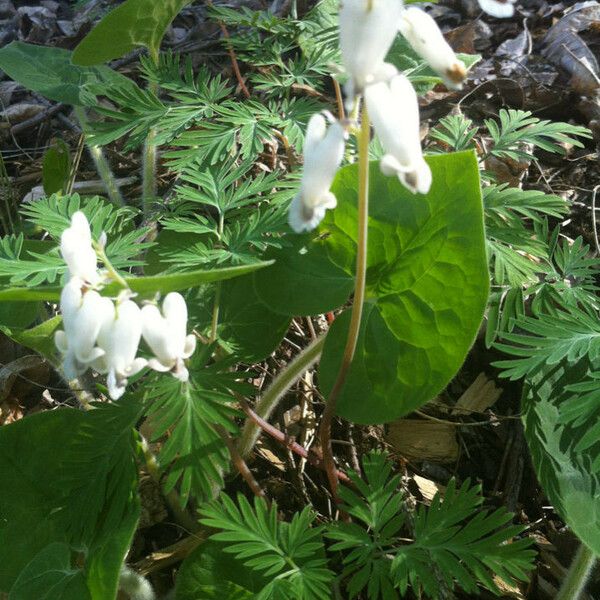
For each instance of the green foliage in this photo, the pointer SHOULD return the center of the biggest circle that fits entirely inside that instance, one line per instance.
(290, 555)
(455, 541)
(560, 415)
(45, 461)
(548, 340)
(427, 284)
(56, 168)
(193, 454)
(132, 24)
(518, 127)
(455, 131)
(50, 72)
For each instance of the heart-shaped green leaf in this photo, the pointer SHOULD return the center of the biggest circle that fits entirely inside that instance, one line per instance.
(427, 285)
(133, 24)
(50, 72)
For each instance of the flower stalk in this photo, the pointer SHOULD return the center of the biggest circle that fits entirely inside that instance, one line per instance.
(357, 306)
(578, 575)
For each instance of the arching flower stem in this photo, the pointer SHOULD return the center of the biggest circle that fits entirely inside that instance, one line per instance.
(357, 305)
(112, 272)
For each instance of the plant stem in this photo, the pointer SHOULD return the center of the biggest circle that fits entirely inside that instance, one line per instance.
(112, 272)
(149, 155)
(217, 301)
(357, 305)
(102, 166)
(172, 498)
(280, 385)
(579, 572)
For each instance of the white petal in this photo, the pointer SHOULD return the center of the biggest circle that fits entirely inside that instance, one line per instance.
(497, 8)
(136, 366)
(304, 218)
(366, 36)
(176, 315)
(156, 332)
(189, 346)
(93, 313)
(76, 249)
(120, 337)
(315, 132)
(180, 372)
(71, 298)
(418, 179)
(61, 342)
(156, 365)
(423, 34)
(116, 385)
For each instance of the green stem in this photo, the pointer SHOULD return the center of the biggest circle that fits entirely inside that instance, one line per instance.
(102, 166)
(172, 498)
(217, 301)
(149, 155)
(357, 305)
(112, 272)
(579, 572)
(278, 388)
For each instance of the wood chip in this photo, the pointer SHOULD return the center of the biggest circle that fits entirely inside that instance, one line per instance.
(423, 440)
(479, 396)
(428, 488)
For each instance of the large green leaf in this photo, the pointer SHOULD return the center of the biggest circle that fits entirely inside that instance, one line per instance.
(246, 327)
(568, 470)
(39, 338)
(68, 477)
(50, 72)
(50, 576)
(132, 24)
(427, 285)
(303, 280)
(210, 573)
(145, 286)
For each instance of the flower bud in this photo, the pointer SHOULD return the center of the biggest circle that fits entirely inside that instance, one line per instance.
(76, 249)
(367, 30)
(394, 111)
(426, 39)
(166, 335)
(323, 154)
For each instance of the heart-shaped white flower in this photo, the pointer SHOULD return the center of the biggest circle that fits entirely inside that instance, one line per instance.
(77, 251)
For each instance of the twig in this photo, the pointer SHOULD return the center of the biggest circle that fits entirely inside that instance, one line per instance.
(594, 220)
(280, 385)
(240, 463)
(286, 441)
(39, 118)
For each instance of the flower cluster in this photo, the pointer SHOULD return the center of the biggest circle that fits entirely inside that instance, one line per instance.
(104, 334)
(367, 29)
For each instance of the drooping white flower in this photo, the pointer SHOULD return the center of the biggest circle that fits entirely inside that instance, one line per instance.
(423, 34)
(166, 335)
(323, 153)
(83, 316)
(77, 251)
(119, 337)
(367, 30)
(394, 111)
(500, 9)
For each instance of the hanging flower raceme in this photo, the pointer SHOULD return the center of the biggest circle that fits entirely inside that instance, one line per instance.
(498, 8)
(367, 30)
(77, 251)
(394, 111)
(105, 335)
(323, 153)
(166, 335)
(426, 39)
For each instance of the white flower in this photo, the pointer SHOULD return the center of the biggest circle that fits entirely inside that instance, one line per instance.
(119, 337)
(323, 153)
(367, 30)
(426, 39)
(166, 335)
(394, 111)
(498, 8)
(76, 249)
(83, 316)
